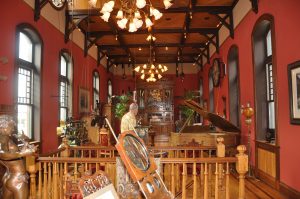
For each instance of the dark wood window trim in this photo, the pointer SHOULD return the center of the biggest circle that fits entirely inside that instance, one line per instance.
(36, 74)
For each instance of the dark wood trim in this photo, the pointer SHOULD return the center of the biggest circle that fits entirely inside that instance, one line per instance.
(266, 178)
(254, 4)
(289, 191)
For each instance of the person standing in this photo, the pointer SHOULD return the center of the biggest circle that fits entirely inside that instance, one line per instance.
(128, 121)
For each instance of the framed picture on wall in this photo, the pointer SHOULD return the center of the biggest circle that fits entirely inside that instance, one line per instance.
(294, 91)
(84, 100)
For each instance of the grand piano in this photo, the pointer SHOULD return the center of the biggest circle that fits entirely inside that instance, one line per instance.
(206, 135)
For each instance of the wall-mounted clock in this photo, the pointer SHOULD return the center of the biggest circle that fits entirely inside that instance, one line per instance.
(58, 4)
(216, 72)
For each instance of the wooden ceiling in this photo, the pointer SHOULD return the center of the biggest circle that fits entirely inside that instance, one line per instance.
(183, 34)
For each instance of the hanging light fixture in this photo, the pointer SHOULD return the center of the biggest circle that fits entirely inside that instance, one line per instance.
(151, 72)
(132, 13)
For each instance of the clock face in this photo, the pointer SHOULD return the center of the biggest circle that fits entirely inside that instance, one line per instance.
(136, 152)
(216, 72)
(57, 4)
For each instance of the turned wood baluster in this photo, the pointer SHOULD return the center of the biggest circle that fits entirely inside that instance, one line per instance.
(177, 173)
(205, 182)
(75, 171)
(45, 192)
(65, 179)
(227, 181)
(184, 176)
(217, 182)
(49, 180)
(173, 179)
(40, 183)
(220, 153)
(242, 168)
(61, 180)
(202, 170)
(55, 181)
(195, 181)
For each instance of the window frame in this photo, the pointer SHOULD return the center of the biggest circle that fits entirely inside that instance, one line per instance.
(65, 54)
(35, 68)
(96, 76)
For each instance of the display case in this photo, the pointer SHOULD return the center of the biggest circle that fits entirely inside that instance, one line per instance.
(155, 100)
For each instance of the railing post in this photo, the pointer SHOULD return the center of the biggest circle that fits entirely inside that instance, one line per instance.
(220, 154)
(31, 168)
(242, 168)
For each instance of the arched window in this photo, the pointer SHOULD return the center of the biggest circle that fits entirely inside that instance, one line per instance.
(28, 59)
(233, 77)
(96, 87)
(211, 91)
(264, 79)
(65, 85)
(109, 90)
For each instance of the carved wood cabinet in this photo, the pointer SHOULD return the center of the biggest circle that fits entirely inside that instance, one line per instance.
(156, 108)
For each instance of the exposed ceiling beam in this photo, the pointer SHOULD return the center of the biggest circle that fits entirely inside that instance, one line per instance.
(159, 55)
(194, 45)
(158, 31)
(209, 9)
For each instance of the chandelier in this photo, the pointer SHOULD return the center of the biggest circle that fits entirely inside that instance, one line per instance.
(151, 72)
(133, 13)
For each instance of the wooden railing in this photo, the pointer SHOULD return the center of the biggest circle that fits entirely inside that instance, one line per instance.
(161, 151)
(185, 176)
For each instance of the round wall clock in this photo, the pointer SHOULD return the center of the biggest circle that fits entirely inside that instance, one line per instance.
(58, 4)
(216, 72)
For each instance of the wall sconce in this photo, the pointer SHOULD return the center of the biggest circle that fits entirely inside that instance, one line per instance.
(248, 112)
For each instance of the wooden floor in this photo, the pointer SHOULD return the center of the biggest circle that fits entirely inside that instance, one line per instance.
(255, 189)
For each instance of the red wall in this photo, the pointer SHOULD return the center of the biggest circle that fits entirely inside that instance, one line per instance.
(16, 12)
(286, 19)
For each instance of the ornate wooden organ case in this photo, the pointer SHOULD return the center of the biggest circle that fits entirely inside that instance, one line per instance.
(155, 100)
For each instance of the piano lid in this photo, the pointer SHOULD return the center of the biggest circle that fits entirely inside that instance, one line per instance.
(215, 119)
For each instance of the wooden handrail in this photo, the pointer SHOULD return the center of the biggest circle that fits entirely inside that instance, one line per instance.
(55, 152)
(198, 160)
(77, 160)
(107, 148)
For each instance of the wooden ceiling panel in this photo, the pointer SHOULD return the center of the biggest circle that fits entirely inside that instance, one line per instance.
(168, 38)
(190, 50)
(170, 20)
(107, 40)
(135, 38)
(116, 51)
(169, 31)
(214, 2)
(170, 50)
(204, 20)
(195, 38)
(141, 52)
